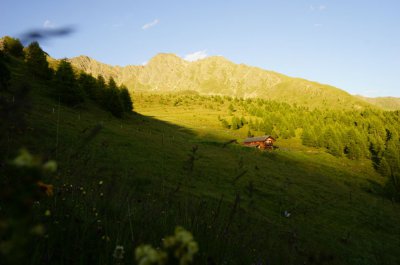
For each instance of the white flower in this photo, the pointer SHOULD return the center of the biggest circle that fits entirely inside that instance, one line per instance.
(119, 252)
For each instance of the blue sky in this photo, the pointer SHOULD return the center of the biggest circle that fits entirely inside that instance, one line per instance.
(351, 44)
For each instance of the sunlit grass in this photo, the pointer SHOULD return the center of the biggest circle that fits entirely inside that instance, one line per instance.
(135, 179)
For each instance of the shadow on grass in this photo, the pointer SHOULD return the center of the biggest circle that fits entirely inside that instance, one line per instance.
(124, 182)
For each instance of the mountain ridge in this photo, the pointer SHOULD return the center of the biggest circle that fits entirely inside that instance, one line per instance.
(386, 103)
(216, 75)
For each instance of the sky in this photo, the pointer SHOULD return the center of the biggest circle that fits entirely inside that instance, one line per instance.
(351, 44)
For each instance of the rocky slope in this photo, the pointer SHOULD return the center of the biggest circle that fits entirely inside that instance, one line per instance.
(218, 76)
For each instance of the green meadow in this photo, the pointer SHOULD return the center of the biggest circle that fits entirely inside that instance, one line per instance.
(132, 180)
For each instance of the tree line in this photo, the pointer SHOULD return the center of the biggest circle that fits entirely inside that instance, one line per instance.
(68, 87)
(369, 133)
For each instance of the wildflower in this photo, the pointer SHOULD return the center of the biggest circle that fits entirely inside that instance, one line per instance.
(119, 252)
(50, 166)
(147, 255)
(100, 182)
(47, 188)
(24, 159)
(286, 214)
(182, 245)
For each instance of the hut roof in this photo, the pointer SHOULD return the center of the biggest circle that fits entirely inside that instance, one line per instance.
(258, 139)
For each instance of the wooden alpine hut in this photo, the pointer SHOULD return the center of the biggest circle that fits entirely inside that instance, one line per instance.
(261, 142)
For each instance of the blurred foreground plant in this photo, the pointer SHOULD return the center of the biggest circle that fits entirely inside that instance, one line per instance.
(21, 187)
(177, 249)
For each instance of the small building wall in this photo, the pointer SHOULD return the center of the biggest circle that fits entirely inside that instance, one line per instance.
(267, 144)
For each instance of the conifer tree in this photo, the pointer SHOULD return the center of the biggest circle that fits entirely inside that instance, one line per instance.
(100, 94)
(67, 88)
(12, 46)
(225, 124)
(112, 99)
(88, 84)
(391, 155)
(4, 73)
(126, 99)
(384, 168)
(37, 62)
(235, 123)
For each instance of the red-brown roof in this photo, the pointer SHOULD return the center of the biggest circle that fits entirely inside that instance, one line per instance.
(258, 139)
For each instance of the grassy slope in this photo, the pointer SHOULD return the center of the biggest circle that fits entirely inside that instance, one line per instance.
(386, 103)
(337, 215)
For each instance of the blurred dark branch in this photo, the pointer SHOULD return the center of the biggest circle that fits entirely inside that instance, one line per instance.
(42, 34)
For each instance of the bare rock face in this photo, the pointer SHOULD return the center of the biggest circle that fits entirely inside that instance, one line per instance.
(218, 76)
(95, 68)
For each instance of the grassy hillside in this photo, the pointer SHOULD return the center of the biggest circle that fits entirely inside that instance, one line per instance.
(218, 76)
(132, 180)
(386, 103)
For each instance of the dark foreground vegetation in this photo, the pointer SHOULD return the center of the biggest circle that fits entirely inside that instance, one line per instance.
(96, 181)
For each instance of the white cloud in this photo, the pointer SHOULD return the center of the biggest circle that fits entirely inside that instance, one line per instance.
(318, 25)
(150, 24)
(318, 8)
(48, 24)
(191, 57)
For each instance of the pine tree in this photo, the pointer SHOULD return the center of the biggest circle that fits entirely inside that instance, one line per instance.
(37, 62)
(112, 99)
(4, 73)
(88, 84)
(100, 92)
(384, 168)
(12, 46)
(67, 88)
(235, 124)
(391, 155)
(377, 147)
(126, 99)
(225, 124)
(266, 126)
